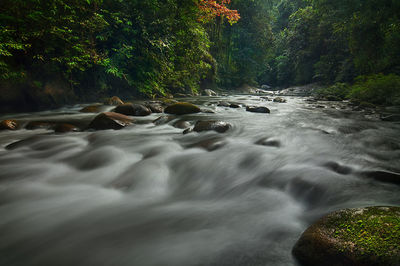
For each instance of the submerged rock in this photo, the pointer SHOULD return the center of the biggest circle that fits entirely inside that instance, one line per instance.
(155, 107)
(110, 120)
(114, 101)
(64, 128)
(182, 108)
(258, 109)
(32, 125)
(181, 124)
(163, 120)
(279, 100)
(8, 125)
(362, 237)
(210, 144)
(132, 109)
(269, 142)
(218, 126)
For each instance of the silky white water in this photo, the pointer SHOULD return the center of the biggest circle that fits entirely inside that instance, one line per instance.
(149, 195)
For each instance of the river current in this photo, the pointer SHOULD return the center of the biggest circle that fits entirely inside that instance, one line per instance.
(149, 195)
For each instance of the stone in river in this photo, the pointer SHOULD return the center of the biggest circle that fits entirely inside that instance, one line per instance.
(258, 109)
(132, 109)
(218, 126)
(182, 108)
(110, 120)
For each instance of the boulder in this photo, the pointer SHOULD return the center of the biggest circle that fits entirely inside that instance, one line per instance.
(155, 107)
(218, 126)
(110, 120)
(94, 108)
(279, 100)
(182, 108)
(114, 101)
(362, 237)
(210, 93)
(258, 109)
(269, 142)
(223, 104)
(132, 109)
(64, 128)
(234, 105)
(8, 124)
(181, 124)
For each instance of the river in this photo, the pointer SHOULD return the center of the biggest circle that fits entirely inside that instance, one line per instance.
(149, 195)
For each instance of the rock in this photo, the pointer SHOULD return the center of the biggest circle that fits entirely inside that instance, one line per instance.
(64, 128)
(218, 126)
(234, 105)
(223, 104)
(279, 100)
(8, 124)
(163, 120)
(110, 120)
(258, 109)
(132, 109)
(182, 108)
(210, 93)
(181, 124)
(362, 237)
(391, 118)
(207, 111)
(269, 142)
(180, 95)
(114, 101)
(210, 144)
(32, 125)
(95, 108)
(338, 168)
(155, 107)
(167, 101)
(265, 87)
(383, 176)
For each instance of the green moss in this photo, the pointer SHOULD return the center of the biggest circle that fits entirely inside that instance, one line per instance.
(182, 108)
(372, 232)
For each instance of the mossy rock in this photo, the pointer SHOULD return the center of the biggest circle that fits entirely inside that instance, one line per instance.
(115, 100)
(182, 108)
(132, 109)
(363, 237)
(95, 108)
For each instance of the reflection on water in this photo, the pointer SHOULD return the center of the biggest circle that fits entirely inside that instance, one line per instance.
(149, 195)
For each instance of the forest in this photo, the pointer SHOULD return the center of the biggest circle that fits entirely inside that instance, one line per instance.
(150, 48)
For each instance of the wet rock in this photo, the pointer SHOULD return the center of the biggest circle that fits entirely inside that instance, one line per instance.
(218, 126)
(155, 107)
(114, 101)
(258, 109)
(391, 118)
(95, 108)
(187, 131)
(181, 124)
(338, 168)
(210, 93)
(182, 108)
(383, 176)
(364, 236)
(207, 111)
(167, 101)
(210, 144)
(65, 128)
(32, 125)
(279, 100)
(110, 120)
(132, 109)
(223, 104)
(269, 142)
(265, 98)
(234, 105)
(8, 124)
(163, 120)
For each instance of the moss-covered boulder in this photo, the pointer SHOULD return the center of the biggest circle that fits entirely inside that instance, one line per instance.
(182, 108)
(8, 124)
(110, 120)
(362, 237)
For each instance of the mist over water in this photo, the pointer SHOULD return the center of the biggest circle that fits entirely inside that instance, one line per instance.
(149, 195)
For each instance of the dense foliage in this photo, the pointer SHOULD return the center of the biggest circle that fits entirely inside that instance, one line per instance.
(152, 47)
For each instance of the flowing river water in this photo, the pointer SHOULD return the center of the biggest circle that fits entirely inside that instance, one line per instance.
(150, 195)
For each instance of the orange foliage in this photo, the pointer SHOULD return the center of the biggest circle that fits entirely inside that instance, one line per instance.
(213, 8)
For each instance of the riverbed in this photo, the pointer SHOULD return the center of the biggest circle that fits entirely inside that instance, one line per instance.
(149, 195)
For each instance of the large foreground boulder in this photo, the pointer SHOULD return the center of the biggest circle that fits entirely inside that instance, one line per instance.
(110, 120)
(182, 108)
(362, 237)
(132, 109)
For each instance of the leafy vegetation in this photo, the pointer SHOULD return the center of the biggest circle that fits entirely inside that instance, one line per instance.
(155, 47)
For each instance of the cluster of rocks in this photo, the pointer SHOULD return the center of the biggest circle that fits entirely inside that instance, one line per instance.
(124, 113)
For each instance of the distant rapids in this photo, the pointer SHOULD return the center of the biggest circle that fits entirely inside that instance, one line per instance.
(148, 195)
